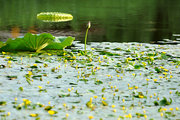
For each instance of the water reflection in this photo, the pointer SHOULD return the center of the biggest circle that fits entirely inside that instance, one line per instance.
(32, 29)
(15, 32)
(116, 20)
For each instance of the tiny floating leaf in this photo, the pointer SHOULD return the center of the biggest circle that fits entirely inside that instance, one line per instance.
(11, 77)
(2, 103)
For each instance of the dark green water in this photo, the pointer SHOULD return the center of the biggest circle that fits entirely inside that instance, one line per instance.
(112, 20)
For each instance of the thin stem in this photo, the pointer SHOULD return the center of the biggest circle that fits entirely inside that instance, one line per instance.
(86, 39)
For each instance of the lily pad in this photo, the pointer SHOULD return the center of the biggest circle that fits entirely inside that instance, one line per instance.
(30, 42)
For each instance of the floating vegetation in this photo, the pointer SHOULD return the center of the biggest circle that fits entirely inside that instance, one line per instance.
(54, 17)
(125, 81)
(30, 42)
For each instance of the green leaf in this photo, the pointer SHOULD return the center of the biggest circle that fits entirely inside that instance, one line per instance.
(157, 70)
(164, 56)
(2, 103)
(139, 114)
(177, 93)
(108, 53)
(156, 103)
(92, 91)
(103, 90)
(2, 111)
(36, 76)
(36, 43)
(164, 102)
(21, 88)
(37, 61)
(59, 76)
(85, 80)
(2, 44)
(13, 45)
(54, 17)
(104, 103)
(98, 82)
(11, 77)
(89, 104)
(138, 66)
(48, 108)
(29, 42)
(61, 44)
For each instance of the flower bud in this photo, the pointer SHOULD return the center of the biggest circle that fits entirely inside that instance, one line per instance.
(89, 24)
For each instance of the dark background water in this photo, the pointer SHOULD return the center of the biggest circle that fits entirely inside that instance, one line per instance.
(112, 20)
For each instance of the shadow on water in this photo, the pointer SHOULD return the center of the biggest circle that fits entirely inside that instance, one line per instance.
(112, 21)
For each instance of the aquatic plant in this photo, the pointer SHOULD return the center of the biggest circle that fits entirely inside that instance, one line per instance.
(89, 25)
(36, 43)
(1, 44)
(54, 16)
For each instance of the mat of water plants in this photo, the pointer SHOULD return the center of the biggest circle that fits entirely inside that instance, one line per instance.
(112, 81)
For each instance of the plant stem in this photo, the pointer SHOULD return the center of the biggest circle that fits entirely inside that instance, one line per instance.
(86, 40)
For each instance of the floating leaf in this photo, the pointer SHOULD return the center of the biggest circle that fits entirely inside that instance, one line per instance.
(164, 102)
(36, 43)
(64, 95)
(13, 45)
(44, 90)
(104, 103)
(108, 53)
(11, 77)
(138, 66)
(156, 103)
(103, 90)
(85, 80)
(177, 93)
(157, 70)
(73, 84)
(89, 104)
(2, 44)
(33, 66)
(61, 44)
(2, 103)
(59, 76)
(98, 82)
(76, 102)
(54, 17)
(37, 61)
(21, 88)
(91, 91)
(28, 43)
(139, 95)
(164, 56)
(48, 108)
(34, 115)
(139, 114)
(2, 111)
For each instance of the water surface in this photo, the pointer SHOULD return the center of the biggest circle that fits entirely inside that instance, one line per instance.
(115, 20)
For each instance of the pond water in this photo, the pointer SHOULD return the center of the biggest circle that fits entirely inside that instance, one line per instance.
(115, 20)
(138, 81)
(122, 75)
